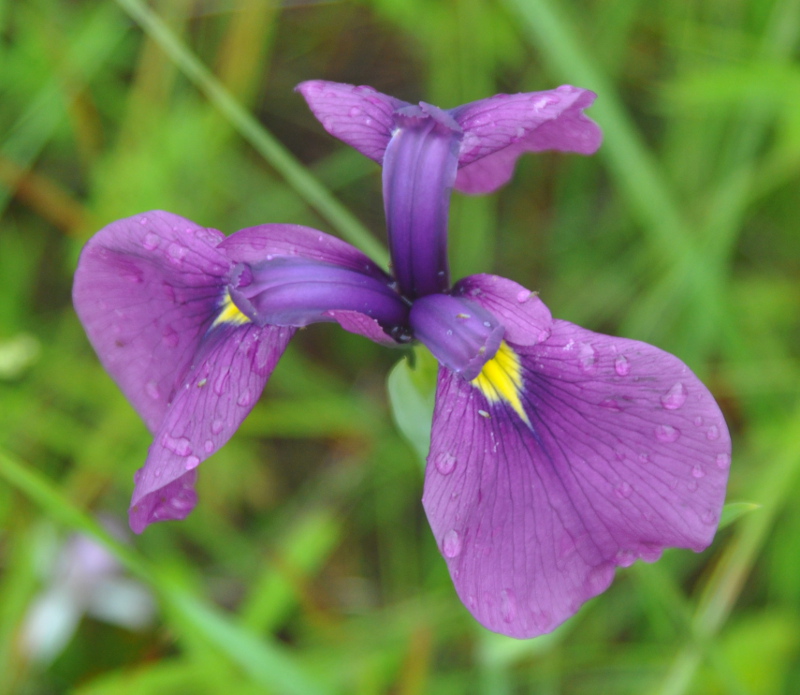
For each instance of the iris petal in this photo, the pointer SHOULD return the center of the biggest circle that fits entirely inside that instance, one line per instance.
(499, 129)
(146, 290)
(626, 454)
(223, 384)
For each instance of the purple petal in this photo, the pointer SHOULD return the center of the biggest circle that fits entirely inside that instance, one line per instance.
(419, 169)
(460, 333)
(331, 280)
(359, 116)
(524, 316)
(499, 129)
(223, 384)
(292, 291)
(146, 290)
(626, 454)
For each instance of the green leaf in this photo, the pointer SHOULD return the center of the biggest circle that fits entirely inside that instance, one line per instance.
(733, 510)
(412, 388)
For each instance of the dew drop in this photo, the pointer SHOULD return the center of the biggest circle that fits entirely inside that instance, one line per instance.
(625, 558)
(520, 131)
(217, 426)
(355, 111)
(221, 382)
(667, 433)
(170, 336)
(208, 446)
(176, 253)
(451, 544)
(245, 399)
(150, 242)
(177, 445)
(143, 221)
(644, 457)
(621, 366)
(675, 397)
(151, 389)
(523, 296)
(192, 462)
(623, 490)
(445, 462)
(698, 472)
(709, 517)
(713, 433)
(508, 605)
(698, 421)
(610, 404)
(723, 461)
(587, 356)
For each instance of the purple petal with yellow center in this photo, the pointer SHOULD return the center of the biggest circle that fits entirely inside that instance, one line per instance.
(496, 130)
(146, 291)
(563, 460)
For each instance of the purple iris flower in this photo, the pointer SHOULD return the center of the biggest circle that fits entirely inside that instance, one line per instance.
(557, 454)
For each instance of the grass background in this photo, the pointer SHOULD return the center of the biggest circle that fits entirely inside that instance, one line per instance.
(308, 567)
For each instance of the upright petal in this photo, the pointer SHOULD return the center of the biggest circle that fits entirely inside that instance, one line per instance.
(584, 454)
(359, 116)
(499, 129)
(146, 290)
(419, 169)
(224, 381)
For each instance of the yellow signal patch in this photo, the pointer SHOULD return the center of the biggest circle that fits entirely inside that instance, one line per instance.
(501, 380)
(229, 313)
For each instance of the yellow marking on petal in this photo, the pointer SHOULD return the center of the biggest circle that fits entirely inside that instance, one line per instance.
(230, 313)
(501, 380)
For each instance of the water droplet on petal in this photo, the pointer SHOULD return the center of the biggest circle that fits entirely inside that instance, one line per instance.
(709, 517)
(170, 336)
(587, 356)
(698, 421)
(508, 605)
(221, 382)
(675, 397)
(151, 389)
(445, 462)
(451, 544)
(192, 462)
(523, 296)
(177, 445)
(623, 490)
(150, 242)
(723, 461)
(610, 404)
(621, 366)
(355, 111)
(667, 433)
(143, 221)
(217, 426)
(245, 399)
(176, 253)
(208, 446)
(644, 457)
(698, 472)
(713, 433)
(625, 558)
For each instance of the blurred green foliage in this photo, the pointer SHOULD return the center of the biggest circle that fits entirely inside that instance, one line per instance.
(308, 567)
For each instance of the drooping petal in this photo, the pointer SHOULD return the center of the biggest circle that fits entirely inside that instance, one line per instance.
(419, 169)
(499, 129)
(146, 290)
(225, 380)
(359, 116)
(613, 451)
(298, 275)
